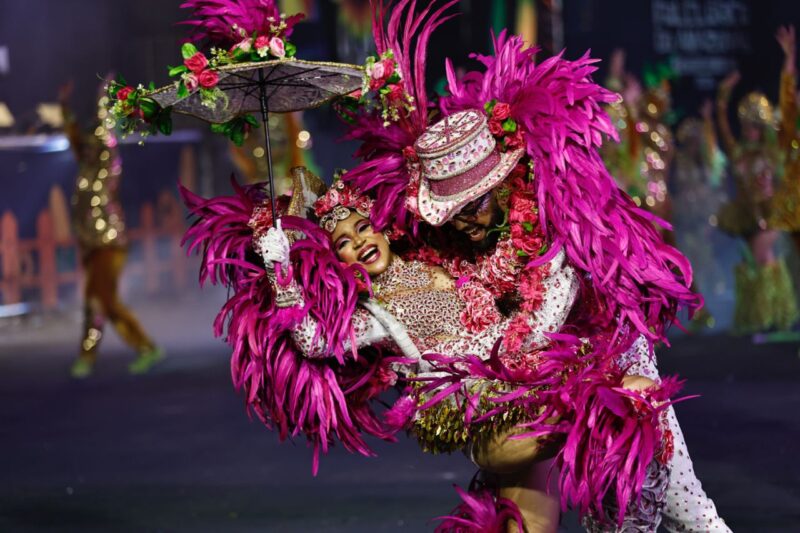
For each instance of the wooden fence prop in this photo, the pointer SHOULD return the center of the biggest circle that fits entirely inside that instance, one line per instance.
(31, 266)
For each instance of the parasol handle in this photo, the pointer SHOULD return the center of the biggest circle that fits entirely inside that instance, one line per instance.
(262, 91)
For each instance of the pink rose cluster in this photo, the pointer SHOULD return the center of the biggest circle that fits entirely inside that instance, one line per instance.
(531, 288)
(523, 216)
(380, 72)
(479, 311)
(384, 77)
(273, 46)
(499, 270)
(343, 195)
(199, 74)
(504, 128)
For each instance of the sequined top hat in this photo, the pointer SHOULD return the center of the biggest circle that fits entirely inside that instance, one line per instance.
(459, 162)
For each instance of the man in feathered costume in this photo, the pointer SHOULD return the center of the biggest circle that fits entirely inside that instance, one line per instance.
(546, 190)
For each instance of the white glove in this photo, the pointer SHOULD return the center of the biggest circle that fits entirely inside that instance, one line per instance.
(274, 247)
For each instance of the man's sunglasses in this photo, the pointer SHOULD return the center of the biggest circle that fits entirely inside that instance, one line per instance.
(472, 209)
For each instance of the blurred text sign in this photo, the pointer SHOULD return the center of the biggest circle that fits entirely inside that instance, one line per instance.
(702, 37)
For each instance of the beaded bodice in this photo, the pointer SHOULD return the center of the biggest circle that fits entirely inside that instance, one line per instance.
(426, 304)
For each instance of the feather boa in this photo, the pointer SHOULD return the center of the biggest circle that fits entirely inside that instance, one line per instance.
(638, 281)
(323, 399)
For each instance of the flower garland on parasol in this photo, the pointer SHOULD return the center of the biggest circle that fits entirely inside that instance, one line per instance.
(139, 110)
(249, 68)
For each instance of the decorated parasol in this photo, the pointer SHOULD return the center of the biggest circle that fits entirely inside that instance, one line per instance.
(249, 69)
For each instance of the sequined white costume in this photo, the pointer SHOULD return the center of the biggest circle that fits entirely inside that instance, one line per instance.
(688, 508)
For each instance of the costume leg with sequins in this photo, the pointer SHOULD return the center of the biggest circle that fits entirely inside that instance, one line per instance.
(103, 269)
(688, 508)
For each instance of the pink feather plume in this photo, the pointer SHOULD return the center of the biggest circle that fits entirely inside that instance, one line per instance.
(610, 434)
(222, 22)
(383, 173)
(638, 281)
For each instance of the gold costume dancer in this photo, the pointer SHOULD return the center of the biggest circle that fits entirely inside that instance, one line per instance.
(100, 230)
(765, 296)
(786, 204)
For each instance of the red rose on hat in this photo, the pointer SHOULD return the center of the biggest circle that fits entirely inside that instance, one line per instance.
(501, 111)
(515, 140)
(516, 176)
(496, 128)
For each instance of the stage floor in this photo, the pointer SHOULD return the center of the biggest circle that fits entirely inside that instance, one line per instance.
(174, 450)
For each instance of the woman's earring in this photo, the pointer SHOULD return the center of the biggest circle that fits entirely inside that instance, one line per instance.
(386, 236)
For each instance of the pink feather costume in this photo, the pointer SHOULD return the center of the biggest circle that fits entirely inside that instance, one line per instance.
(295, 395)
(461, 391)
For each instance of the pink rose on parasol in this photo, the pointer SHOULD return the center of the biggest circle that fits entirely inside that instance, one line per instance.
(191, 82)
(277, 48)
